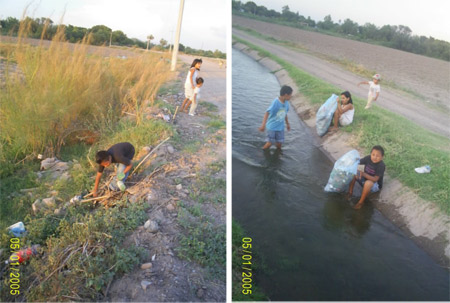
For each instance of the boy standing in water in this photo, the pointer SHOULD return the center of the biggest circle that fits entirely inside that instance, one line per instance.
(371, 179)
(374, 89)
(276, 117)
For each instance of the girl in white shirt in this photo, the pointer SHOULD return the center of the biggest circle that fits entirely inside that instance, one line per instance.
(344, 112)
(189, 84)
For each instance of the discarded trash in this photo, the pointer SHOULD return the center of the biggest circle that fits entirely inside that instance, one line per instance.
(423, 170)
(24, 254)
(76, 199)
(325, 114)
(343, 171)
(121, 185)
(17, 229)
(164, 117)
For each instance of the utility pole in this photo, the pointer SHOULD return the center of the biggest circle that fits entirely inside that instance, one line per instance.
(177, 37)
(110, 38)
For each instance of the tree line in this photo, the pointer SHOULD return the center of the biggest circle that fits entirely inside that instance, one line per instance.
(99, 35)
(394, 36)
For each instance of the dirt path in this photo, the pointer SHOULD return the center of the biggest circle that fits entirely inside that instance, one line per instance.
(410, 108)
(187, 201)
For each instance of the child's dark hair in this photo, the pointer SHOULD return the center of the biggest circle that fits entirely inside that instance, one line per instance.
(379, 148)
(196, 61)
(285, 90)
(101, 156)
(348, 95)
(199, 80)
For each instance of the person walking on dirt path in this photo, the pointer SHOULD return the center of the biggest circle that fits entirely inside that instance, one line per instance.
(121, 153)
(374, 89)
(344, 112)
(194, 98)
(189, 84)
(371, 179)
(275, 118)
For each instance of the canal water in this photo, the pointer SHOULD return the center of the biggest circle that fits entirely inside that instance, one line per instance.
(314, 245)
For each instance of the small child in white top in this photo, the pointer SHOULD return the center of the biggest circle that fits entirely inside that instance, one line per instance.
(374, 89)
(195, 95)
(189, 84)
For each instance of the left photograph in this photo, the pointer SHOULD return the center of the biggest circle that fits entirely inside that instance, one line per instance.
(113, 151)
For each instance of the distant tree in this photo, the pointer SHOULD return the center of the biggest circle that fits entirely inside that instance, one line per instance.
(100, 34)
(10, 25)
(163, 43)
(349, 27)
(327, 23)
(250, 7)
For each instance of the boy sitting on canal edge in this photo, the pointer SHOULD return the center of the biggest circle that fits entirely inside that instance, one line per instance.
(275, 118)
(371, 179)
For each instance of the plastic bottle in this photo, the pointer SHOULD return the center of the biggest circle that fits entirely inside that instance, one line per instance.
(24, 255)
(17, 229)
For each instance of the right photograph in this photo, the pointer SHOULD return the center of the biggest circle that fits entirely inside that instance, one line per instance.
(340, 151)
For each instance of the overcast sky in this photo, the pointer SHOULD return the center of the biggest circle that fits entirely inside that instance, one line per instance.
(424, 17)
(204, 21)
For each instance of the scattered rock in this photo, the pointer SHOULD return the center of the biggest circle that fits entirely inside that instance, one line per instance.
(53, 193)
(179, 187)
(151, 226)
(152, 196)
(49, 202)
(170, 207)
(170, 149)
(43, 205)
(77, 166)
(60, 212)
(146, 149)
(146, 265)
(145, 283)
(200, 293)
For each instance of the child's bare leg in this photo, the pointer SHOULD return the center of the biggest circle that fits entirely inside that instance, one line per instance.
(365, 192)
(267, 145)
(335, 120)
(350, 189)
(278, 145)
(187, 105)
(184, 104)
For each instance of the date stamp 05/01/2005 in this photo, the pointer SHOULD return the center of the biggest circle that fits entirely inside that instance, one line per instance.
(14, 265)
(247, 266)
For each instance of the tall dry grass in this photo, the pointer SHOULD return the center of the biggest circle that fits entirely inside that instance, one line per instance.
(60, 90)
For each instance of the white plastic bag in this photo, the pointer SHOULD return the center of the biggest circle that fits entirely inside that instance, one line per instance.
(343, 171)
(325, 115)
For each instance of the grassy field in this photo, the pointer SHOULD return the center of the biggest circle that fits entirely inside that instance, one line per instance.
(406, 145)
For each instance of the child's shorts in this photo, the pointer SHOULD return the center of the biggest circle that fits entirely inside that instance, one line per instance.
(374, 188)
(275, 136)
(344, 120)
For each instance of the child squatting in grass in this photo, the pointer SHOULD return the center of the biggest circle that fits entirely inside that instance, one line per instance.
(276, 117)
(371, 179)
(121, 153)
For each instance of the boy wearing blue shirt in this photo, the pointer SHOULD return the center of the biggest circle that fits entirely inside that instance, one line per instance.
(276, 117)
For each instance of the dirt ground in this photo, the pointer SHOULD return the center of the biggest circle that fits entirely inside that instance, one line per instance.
(425, 76)
(169, 278)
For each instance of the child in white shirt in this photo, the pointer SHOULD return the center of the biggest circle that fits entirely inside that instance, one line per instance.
(374, 89)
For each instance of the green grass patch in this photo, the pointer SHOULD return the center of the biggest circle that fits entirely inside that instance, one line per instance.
(210, 107)
(406, 144)
(83, 252)
(202, 241)
(149, 132)
(256, 294)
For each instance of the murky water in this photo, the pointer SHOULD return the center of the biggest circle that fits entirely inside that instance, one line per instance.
(316, 247)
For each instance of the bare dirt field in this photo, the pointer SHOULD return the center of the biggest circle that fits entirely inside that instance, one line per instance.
(427, 76)
(393, 100)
